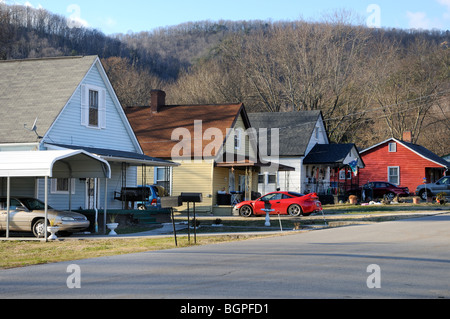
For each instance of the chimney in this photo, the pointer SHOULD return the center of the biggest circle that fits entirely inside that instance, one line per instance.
(407, 137)
(158, 100)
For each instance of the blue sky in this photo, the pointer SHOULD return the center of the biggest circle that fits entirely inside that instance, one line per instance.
(112, 16)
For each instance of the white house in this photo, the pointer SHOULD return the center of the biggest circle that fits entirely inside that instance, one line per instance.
(303, 143)
(67, 103)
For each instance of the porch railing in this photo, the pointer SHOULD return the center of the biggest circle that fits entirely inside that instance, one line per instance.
(329, 188)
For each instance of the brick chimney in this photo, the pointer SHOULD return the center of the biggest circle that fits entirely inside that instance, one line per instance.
(158, 99)
(407, 137)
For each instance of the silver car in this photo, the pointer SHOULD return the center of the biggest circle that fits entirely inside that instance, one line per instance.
(28, 215)
(430, 190)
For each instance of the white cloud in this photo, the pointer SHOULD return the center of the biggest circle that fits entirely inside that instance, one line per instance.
(421, 20)
(445, 3)
(418, 20)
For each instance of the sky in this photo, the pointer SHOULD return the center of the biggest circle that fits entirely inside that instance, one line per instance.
(110, 16)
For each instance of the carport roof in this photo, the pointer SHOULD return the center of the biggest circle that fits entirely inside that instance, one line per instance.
(53, 164)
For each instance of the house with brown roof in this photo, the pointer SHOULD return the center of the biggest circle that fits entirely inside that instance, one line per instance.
(217, 156)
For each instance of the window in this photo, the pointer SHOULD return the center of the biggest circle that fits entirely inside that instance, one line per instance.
(237, 139)
(392, 147)
(261, 179)
(162, 177)
(61, 186)
(343, 174)
(93, 107)
(272, 178)
(394, 175)
(273, 196)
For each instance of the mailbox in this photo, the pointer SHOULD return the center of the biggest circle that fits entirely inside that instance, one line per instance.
(267, 205)
(170, 202)
(191, 197)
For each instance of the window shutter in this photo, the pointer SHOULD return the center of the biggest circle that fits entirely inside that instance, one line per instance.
(84, 105)
(102, 109)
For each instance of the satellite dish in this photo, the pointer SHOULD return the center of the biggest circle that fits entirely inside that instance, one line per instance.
(33, 128)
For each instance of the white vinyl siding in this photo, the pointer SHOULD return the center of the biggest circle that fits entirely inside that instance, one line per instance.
(114, 134)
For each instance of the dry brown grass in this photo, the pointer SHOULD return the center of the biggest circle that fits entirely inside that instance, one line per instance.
(26, 253)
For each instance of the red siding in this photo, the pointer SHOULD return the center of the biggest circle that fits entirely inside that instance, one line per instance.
(412, 166)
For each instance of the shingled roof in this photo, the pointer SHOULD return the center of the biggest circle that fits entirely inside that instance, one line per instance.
(154, 129)
(418, 149)
(296, 129)
(330, 154)
(36, 88)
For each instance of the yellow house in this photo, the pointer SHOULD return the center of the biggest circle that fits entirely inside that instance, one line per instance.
(212, 143)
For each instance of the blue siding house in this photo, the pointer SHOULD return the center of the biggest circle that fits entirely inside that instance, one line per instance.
(68, 103)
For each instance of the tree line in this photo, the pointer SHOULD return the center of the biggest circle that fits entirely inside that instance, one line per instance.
(370, 84)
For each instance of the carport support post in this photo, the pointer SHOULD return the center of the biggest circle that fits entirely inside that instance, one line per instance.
(46, 208)
(105, 209)
(8, 199)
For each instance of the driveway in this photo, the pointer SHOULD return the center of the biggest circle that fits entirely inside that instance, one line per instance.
(401, 259)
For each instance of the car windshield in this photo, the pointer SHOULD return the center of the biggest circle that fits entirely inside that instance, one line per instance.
(33, 204)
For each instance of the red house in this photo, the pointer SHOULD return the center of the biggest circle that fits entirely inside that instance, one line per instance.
(401, 163)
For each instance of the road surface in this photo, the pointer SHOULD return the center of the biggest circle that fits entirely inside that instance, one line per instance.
(400, 259)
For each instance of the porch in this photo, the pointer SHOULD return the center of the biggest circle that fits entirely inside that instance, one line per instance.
(332, 170)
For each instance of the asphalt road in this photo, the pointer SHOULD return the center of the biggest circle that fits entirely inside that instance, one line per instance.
(411, 259)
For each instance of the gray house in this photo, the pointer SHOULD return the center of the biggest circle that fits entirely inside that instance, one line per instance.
(303, 143)
(61, 104)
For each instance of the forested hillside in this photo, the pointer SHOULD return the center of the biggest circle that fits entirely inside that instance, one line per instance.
(370, 84)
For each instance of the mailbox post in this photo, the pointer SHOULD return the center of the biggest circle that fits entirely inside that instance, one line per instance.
(170, 203)
(268, 209)
(192, 198)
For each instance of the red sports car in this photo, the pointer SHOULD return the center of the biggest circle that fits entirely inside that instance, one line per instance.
(282, 203)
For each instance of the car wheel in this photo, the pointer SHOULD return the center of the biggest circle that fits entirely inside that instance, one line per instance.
(246, 211)
(424, 194)
(390, 196)
(295, 210)
(38, 228)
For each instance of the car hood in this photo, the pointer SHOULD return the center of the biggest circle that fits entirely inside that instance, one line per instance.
(59, 213)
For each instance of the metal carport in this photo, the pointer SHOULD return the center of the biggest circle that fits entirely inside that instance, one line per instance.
(51, 164)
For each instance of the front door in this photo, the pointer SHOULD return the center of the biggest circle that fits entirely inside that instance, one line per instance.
(92, 192)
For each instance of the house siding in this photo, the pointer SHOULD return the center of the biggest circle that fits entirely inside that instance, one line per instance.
(322, 138)
(291, 181)
(245, 148)
(194, 177)
(61, 201)
(294, 181)
(69, 131)
(412, 166)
